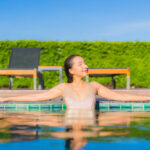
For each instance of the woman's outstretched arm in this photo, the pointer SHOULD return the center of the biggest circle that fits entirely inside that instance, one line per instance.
(49, 94)
(109, 94)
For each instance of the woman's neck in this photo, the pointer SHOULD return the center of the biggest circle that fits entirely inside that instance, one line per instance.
(78, 81)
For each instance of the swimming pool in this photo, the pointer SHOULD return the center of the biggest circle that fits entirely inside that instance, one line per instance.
(51, 126)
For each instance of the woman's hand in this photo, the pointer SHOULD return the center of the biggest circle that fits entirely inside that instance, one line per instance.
(3, 99)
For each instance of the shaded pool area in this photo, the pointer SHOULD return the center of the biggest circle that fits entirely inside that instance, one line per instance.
(51, 126)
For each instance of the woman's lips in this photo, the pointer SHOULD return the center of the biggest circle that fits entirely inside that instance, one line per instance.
(85, 70)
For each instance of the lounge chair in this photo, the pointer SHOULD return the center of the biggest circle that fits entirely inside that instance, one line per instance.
(23, 62)
(110, 72)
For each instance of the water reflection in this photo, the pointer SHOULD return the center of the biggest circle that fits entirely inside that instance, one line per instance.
(80, 124)
(76, 127)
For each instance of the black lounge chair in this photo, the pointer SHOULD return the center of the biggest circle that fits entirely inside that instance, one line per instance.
(23, 62)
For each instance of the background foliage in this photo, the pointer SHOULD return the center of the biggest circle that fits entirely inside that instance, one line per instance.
(135, 55)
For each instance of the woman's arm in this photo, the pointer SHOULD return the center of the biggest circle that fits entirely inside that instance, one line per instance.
(109, 94)
(50, 94)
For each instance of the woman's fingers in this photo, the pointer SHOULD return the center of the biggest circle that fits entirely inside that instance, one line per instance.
(2, 99)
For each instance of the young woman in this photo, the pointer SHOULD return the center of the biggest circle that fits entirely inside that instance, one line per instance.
(77, 93)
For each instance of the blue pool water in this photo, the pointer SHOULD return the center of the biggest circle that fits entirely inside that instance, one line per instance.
(59, 144)
(42, 130)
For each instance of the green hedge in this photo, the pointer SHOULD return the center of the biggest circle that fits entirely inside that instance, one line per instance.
(134, 55)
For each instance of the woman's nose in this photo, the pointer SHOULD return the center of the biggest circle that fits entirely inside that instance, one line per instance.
(85, 65)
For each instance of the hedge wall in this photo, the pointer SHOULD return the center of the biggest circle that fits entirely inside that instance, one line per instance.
(134, 55)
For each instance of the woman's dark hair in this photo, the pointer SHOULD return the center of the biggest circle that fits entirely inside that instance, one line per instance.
(68, 65)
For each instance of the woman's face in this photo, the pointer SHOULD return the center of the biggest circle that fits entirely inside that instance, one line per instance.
(79, 67)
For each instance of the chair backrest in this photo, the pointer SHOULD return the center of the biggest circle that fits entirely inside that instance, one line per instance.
(24, 58)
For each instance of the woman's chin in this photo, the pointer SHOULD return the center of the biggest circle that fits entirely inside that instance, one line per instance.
(85, 75)
(82, 75)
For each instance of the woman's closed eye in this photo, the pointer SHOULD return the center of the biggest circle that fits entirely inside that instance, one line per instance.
(81, 63)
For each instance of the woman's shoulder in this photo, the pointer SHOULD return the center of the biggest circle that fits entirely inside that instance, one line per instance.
(60, 87)
(95, 85)
(63, 86)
